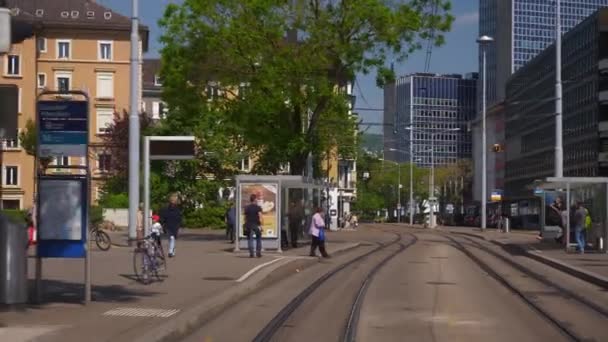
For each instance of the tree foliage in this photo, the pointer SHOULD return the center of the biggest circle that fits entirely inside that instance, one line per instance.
(115, 142)
(292, 100)
(28, 138)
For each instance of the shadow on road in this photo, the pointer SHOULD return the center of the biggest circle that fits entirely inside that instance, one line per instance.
(55, 291)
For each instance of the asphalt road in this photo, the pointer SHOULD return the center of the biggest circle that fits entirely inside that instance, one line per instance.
(429, 292)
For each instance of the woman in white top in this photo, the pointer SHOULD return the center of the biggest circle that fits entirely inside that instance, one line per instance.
(317, 230)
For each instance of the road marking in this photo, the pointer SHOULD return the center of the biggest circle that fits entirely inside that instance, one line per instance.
(141, 312)
(257, 268)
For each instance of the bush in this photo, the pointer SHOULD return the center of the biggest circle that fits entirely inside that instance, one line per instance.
(208, 217)
(96, 215)
(17, 216)
(115, 201)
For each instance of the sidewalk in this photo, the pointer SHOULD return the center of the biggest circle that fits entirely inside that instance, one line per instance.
(591, 267)
(205, 275)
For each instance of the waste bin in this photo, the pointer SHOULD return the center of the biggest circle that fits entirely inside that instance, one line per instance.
(13, 262)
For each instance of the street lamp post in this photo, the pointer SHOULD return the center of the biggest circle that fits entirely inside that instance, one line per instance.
(559, 151)
(134, 125)
(483, 41)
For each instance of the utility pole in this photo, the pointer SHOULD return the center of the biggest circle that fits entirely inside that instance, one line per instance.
(483, 42)
(134, 126)
(559, 150)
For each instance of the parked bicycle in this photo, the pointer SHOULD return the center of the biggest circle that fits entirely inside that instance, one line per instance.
(149, 258)
(102, 239)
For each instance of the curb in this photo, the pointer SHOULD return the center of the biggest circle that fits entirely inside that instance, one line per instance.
(193, 317)
(582, 274)
(576, 272)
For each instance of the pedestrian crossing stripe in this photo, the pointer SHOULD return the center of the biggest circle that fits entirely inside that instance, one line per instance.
(141, 312)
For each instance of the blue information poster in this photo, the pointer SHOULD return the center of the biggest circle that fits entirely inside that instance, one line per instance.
(63, 128)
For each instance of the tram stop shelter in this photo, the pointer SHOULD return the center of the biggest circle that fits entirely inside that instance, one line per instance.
(281, 198)
(591, 191)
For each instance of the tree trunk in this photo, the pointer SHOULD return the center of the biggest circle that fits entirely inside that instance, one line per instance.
(297, 165)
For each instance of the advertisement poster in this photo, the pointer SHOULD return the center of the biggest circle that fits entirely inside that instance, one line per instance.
(267, 199)
(61, 209)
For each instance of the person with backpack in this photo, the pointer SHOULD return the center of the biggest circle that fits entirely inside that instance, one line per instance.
(579, 226)
(588, 225)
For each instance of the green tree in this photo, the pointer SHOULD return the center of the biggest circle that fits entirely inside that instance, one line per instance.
(28, 139)
(292, 100)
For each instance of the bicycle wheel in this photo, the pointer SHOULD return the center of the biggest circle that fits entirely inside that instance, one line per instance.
(102, 239)
(141, 264)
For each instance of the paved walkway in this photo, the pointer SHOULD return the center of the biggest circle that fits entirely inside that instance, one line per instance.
(591, 266)
(205, 267)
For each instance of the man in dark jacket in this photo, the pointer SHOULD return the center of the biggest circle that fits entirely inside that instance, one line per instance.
(171, 219)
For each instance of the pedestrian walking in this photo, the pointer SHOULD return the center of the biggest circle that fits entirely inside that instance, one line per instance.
(579, 226)
(230, 219)
(253, 221)
(171, 220)
(317, 231)
(296, 214)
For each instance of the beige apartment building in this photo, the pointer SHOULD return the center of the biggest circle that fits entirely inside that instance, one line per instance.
(77, 45)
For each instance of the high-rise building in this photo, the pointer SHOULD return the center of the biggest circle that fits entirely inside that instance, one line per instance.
(530, 127)
(432, 107)
(521, 29)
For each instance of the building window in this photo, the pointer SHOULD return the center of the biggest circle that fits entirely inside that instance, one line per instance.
(62, 161)
(41, 44)
(63, 49)
(104, 162)
(105, 50)
(11, 204)
(12, 144)
(159, 110)
(246, 164)
(11, 175)
(157, 81)
(41, 80)
(105, 85)
(13, 65)
(63, 81)
(105, 119)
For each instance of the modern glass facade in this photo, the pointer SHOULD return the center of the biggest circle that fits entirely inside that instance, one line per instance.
(433, 105)
(523, 29)
(530, 128)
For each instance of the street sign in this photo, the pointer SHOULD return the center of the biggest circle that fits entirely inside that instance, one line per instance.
(172, 148)
(496, 196)
(64, 128)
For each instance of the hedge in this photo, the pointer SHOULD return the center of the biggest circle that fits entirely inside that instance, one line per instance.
(17, 216)
(208, 217)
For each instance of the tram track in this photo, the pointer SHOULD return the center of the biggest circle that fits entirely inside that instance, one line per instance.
(567, 299)
(349, 334)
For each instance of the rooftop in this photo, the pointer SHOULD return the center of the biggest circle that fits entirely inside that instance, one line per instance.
(85, 14)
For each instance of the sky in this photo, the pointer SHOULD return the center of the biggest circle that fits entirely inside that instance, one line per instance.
(458, 55)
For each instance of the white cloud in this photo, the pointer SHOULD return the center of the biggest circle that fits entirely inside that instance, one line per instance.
(467, 18)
